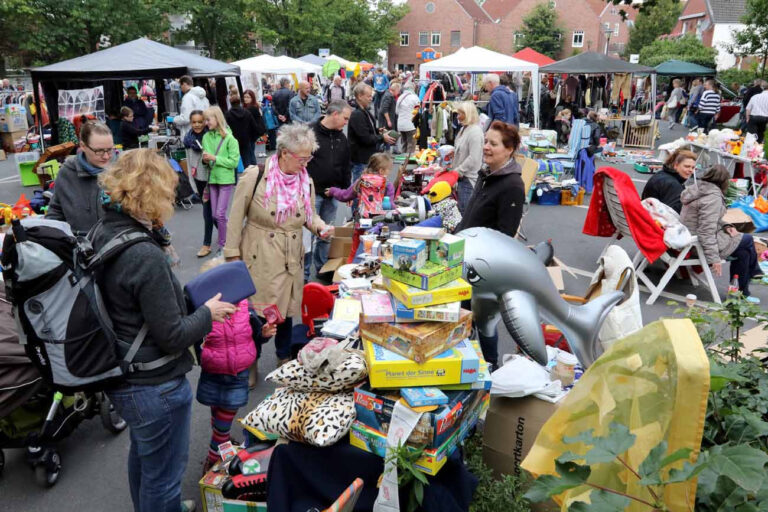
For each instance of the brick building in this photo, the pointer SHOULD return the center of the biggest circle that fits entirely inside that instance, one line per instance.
(446, 25)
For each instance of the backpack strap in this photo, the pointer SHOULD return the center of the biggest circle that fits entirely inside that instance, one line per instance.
(150, 365)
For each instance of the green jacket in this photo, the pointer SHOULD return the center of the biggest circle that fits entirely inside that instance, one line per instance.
(223, 170)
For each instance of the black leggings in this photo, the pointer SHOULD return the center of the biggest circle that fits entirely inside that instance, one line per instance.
(207, 213)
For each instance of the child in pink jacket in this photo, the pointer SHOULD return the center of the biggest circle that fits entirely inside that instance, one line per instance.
(227, 354)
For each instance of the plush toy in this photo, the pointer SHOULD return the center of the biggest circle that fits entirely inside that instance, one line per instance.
(441, 197)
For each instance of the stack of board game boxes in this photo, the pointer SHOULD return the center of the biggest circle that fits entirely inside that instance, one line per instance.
(416, 339)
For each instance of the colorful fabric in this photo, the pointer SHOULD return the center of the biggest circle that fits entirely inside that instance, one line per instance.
(288, 189)
(221, 424)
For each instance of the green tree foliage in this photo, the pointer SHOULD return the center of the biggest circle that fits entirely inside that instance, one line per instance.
(652, 22)
(541, 31)
(687, 48)
(355, 29)
(753, 39)
(224, 27)
(644, 7)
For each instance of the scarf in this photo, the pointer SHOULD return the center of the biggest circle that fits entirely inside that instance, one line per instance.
(87, 167)
(287, 188)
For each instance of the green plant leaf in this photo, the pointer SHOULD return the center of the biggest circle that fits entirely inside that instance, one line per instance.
(650, 468)
(570, 457)
(742, 464)
(420, 477)
(607, 448)
(600, 501)
(687, 472)
(570, 475)
(418, 492)
(744, 426)
(720, 375)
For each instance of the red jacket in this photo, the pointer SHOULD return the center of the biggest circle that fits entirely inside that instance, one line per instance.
(648, 236)
(229, 347)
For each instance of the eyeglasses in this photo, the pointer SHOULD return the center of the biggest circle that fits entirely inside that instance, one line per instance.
(302, 159)
(101, 152)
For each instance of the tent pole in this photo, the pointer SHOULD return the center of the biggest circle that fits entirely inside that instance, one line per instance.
(536, 87)
(239, 85)
(652, 102)
(39, 116)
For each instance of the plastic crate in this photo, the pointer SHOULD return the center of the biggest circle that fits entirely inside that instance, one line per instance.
(567, 199)
(27, 174)
(550, 198)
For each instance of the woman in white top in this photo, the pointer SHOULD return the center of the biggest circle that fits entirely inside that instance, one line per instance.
(404, 110)
(468, 151)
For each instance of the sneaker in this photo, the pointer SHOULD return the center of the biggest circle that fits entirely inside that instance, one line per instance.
(753, 300)
(188, 506)
(204, 251)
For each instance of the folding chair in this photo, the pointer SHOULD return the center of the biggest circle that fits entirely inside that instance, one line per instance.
(578, 140)
(673, 261)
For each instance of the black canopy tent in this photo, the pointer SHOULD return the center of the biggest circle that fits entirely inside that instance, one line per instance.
(593, 63)
(141, 59)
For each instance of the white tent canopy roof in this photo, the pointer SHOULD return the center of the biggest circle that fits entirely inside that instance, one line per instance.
(282, 65)
(343, 62)
(477, 59)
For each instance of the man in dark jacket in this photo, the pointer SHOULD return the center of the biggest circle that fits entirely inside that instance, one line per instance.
(387, 112)
(244, 129)
(503, 105)
(667, 185)
(281, 99)
(363, 136)
(143, 115)
(329, 167)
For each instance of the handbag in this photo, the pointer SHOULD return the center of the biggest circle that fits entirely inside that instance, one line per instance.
(231, 279)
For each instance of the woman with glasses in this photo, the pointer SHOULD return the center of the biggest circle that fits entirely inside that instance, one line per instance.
(268, 212)
(76, 193)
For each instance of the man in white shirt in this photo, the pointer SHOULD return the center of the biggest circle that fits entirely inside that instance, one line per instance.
(194, 99)
(757, 113)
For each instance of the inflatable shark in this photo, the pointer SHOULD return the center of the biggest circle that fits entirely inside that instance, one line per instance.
(510, 280)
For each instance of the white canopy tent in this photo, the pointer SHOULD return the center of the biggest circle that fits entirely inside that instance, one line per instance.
(343, 62)
(478, 60)
(253, 68)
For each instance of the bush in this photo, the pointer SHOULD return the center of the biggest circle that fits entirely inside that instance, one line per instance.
(740, 76)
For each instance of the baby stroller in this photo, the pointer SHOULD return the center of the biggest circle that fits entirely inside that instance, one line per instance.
(33, 416)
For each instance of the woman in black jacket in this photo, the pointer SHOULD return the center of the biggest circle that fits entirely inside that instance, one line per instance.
(667, 185)
(141, 294)
(251, 104)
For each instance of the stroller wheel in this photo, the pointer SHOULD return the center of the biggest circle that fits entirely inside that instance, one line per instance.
(110, 419)
(47, 473)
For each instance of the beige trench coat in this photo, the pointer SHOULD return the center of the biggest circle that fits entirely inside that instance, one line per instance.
(273, 253)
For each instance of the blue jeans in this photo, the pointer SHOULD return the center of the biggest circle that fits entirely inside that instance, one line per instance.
(159, 418)
(464, 191)
(357, 171)
(326, 209)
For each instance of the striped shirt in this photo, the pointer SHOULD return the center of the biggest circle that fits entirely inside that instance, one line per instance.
(758, 104)
(709, 103)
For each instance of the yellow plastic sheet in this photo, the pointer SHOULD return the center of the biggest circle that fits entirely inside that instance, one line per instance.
(656, 383)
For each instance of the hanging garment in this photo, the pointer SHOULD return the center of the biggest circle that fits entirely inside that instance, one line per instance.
(622, 87)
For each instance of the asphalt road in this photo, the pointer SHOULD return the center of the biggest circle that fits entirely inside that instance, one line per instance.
(94, 461)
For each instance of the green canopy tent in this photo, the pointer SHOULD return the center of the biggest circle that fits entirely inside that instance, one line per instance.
(680, 68)
(330, 68)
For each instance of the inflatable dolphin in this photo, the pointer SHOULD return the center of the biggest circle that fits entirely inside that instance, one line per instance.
(508, 278)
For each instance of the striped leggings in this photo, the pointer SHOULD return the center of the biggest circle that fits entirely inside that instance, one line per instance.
(221, 424)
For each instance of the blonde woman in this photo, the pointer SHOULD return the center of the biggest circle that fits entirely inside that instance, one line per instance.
(221, 154)
(140, 289)
(265, 227)
(676, 102)
(468, 152)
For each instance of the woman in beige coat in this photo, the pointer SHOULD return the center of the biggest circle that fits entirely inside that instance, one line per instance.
(702, 213)
(265, 227)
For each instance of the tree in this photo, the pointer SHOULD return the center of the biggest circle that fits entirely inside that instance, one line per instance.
(541, 31)
(687, 48)
(652, 22)
(642, 7)
(753, 39)
(222, 26)
(13, 14)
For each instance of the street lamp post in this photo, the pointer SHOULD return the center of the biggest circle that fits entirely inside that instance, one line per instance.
(607, 30)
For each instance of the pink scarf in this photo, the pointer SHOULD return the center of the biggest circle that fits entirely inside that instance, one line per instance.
(288, 187)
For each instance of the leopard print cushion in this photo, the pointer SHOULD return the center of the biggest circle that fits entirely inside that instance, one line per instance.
(343, 378)
(319, 419)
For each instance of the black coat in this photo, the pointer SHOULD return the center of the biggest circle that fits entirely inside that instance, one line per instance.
(129, 134)
(280, 100)
(666, 186)
(497, 201)
(261, 126)
(388, 103)
(243, 127)
(330, 165)
(363, 136)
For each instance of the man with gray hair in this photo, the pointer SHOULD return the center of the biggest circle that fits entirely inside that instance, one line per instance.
(281, 100)
(335, 91)
(304, 107)
(364, 138)
(330, 167)
(387, 115)
(503, 105)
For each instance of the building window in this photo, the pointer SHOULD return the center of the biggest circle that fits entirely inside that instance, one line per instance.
(435, 39)
(405, 38)
(699, 29)
(455, 37)
(685, 27)
(519, 39)
(578, 39)
(430, 7)
(616, 30)
(552, 4)
(423, 38)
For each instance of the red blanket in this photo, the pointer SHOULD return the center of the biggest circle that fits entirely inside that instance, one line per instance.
(648, 236)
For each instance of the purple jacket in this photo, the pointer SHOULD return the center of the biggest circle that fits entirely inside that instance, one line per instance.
(348, 194)
(229, 347)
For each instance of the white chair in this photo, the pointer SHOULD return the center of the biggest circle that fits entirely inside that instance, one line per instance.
(673, 261)
(578, 140)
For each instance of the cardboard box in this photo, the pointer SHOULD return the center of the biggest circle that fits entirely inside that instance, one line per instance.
(753, 339)
(338, 252)
(9, 140)
(210, 488)
(374, 410)
(430, 276)
(424, 396)
(411, 297)
(2, 155)
(13, 119)
(347, 310)
(422, 233)
(243, 506)
(511, 427)
(484, 379)
(409, 255)
(448, 251)
(418, 341)
(386, 369)
(739, 219)
(377, 308)
(432, 460)
(450, 312)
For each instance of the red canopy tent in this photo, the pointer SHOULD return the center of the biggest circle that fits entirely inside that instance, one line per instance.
(531, 55)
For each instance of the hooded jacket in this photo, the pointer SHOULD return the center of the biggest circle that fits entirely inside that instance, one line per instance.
(503, 106)
(76, 197)
(666, 186)
(330, 165)
(702, 214)
(243, 126)
(195, 99)
(497, 200)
